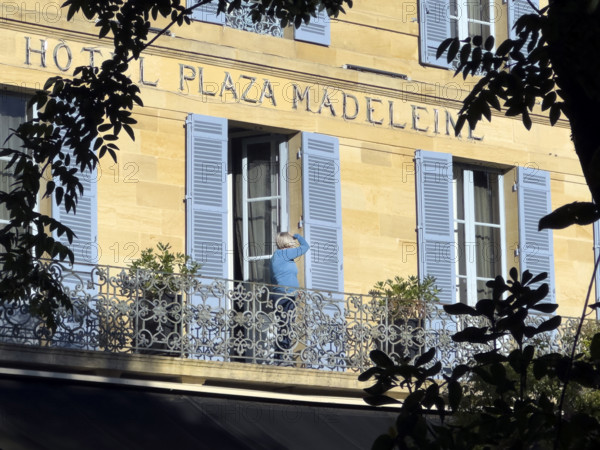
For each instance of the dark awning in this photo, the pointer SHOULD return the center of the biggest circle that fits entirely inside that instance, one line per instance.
(61, 415)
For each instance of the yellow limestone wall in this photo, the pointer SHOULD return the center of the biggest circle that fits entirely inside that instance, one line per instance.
(141, 196)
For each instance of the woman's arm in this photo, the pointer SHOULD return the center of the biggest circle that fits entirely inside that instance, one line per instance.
(293, 253)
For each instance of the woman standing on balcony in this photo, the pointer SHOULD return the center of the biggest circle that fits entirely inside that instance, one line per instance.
(284, 275)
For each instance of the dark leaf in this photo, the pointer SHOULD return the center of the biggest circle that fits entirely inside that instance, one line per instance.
(367, 374)
(595, 347)
(443, 47)
(550, 324)
(425, 357)
(460, 309)
(381, 359)
(379, 400)
(579, 213)
(546, 308)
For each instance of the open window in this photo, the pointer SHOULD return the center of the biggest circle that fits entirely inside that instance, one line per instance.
(463, 224)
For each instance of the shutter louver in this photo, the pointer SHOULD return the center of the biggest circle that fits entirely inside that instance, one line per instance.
(435, 221)
(206, 186)
(207, 13)
(434, 28)
(535, 247)
(322, 212)
(317, 31)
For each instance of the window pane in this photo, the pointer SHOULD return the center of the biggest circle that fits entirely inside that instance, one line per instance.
(462, 290)
(488, 252)
(260, 270)
(461, 251)
(487, 202)
(478, 29)
(482, 290)
(479, 10)
(262, 227)
(459, 196)
(263, 171)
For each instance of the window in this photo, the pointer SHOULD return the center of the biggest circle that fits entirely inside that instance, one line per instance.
(461, 229)
(316, 32)
(478, 230)
(441, 19)
(13, 111)
(239, 186)
(259, 201)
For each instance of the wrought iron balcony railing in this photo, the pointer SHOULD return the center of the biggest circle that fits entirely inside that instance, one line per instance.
(119, 310)
(240, 19)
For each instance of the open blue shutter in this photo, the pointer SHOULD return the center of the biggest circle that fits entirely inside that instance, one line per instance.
(206, 193)
(317, 31)
(207, 13)
(322, 212)
(435, 221)
(596, 256)
(434, 28)
(516, 9)
(536, 252)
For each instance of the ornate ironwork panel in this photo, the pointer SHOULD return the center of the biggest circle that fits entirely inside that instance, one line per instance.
(120, 310)
(240, 19)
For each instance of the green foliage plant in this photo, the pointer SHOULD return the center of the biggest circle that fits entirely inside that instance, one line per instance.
(406, 296)
(157, 267)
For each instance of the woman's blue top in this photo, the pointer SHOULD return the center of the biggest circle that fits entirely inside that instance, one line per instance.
(284, 271)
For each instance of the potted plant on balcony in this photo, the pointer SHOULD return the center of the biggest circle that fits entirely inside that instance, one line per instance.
(157, 277)
(405, 303)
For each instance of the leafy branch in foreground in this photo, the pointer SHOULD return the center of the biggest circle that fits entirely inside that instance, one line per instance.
(438, 412)
(79, 120)
(550, 68)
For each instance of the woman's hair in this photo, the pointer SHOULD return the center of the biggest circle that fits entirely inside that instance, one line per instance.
(285, 240)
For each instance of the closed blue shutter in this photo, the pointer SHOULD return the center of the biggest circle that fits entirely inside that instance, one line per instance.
(75, 327)
(434, 28)
(596, 256)
(85, 222)
(322, 212)
(516, 9)
(536, 252)
(206, 193)
(317, 31)
(207, 13)
(435, 221)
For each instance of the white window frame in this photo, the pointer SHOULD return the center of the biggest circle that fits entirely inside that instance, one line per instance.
(281, 158)
(470, 224)
(463, 19)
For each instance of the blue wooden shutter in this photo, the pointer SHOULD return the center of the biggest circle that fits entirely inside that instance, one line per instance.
(536, 252)
(596, 256)
(75, 327)
(206, 193)
(207, 13)
(435, 221)
(434, 28)
(85, 222)
(322, 210)
(317, 31)
(516, 9)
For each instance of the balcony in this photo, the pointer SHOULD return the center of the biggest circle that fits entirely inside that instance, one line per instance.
(116, 310)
